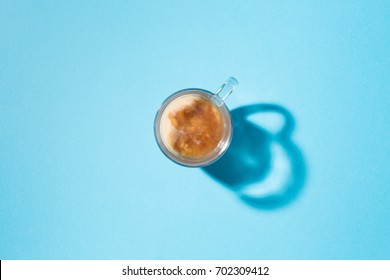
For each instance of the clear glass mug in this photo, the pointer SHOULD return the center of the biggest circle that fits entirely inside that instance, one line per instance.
(193, 126)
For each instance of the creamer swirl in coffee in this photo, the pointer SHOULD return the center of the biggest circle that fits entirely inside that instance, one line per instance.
(192, 126)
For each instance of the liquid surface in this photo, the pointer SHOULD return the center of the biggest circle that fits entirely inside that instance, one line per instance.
(193, 126)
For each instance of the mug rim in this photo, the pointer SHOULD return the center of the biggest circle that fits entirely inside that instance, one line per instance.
(225, 142)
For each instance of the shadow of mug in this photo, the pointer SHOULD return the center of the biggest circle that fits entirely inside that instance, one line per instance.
(265, 169)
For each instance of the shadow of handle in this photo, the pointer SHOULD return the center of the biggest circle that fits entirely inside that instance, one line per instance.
(265, 170)
(290, 189)
(245, 111)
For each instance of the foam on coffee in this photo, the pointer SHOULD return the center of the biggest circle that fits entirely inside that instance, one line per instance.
(192, 126)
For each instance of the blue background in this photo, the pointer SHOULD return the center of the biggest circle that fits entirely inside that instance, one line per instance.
(81, 176)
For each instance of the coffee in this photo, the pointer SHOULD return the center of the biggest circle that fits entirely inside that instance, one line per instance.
(192, 126)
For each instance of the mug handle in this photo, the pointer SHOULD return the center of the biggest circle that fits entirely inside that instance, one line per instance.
(224, 91)
(289, 122)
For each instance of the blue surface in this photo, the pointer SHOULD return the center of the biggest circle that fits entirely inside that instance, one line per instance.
(81, 176)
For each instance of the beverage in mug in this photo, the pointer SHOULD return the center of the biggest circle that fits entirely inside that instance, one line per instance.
(193, 126)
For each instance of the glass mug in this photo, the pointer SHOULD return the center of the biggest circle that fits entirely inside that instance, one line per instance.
(193, 126)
